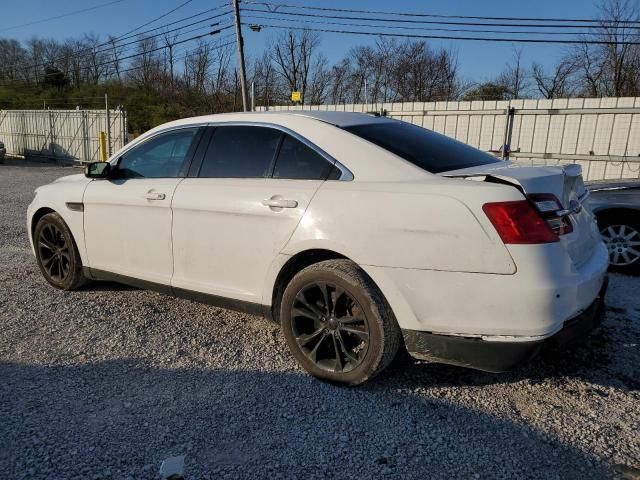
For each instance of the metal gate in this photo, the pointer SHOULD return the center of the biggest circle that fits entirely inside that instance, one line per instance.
(61, 135)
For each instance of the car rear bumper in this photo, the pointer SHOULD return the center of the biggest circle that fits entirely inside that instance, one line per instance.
(500, 356)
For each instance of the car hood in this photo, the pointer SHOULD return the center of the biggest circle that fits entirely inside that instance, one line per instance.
(70, 178)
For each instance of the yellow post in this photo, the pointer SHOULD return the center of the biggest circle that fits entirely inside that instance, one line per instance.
(103, 147)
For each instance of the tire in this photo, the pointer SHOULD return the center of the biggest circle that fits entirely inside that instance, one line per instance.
(57, 253)
(621, 234)
(337, 323)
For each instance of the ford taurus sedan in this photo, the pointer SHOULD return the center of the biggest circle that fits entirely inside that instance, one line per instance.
(358, 234)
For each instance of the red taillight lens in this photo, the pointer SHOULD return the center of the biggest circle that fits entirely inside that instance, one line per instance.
(519, 223)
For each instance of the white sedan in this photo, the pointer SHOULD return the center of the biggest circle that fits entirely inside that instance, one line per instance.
(358, 234)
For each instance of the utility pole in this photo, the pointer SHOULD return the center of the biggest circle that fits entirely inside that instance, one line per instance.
(240, 43)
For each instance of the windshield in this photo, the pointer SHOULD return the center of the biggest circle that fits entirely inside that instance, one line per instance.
(428, 150)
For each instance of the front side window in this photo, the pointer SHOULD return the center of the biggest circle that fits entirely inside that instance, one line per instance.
(160, 157)
(298, 161)
(428, 150)
(240, 152)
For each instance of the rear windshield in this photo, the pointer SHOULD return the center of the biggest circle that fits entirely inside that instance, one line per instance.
(428, 150)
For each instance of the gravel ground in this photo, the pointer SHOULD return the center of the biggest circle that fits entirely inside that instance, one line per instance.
(106, 382)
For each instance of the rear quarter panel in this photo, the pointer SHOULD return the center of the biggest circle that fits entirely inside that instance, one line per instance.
(433, 225)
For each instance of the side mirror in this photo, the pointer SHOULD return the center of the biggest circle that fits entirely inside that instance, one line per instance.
(97, 170)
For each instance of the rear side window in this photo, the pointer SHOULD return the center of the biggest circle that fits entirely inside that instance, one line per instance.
(298, 161)
(240, 152)
(428, 150)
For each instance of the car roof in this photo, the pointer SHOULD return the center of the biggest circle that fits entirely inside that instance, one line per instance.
(339, 119)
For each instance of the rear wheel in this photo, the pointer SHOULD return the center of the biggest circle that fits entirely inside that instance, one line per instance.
(621, 234)
(337, 324)
(57, 253)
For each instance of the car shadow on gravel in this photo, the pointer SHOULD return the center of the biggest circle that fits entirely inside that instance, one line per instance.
(119, 419)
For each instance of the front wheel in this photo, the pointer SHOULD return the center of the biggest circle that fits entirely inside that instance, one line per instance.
(337, 324)
(57, 253)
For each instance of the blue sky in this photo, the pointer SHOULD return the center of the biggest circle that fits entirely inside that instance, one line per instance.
(478, 60)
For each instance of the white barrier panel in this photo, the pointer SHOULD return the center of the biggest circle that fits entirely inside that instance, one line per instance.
(61, 135)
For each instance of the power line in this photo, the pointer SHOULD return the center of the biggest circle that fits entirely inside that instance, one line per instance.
(447, 37)
(128, 57)
(429, 22)
(76, 12)
(177, 59)
(156, 19)
(173, 23)
(274, 6)
(196, 37)
(404, 27)
(111, 43)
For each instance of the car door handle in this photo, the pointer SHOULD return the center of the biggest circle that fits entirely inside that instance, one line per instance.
(279, 202)
(154, 196)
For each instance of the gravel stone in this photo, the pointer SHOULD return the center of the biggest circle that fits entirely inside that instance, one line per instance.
(108, 381)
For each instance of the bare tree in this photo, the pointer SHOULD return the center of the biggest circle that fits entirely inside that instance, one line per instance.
(361, 64)
(618, 57)
(116, 52)
(556, 84)
(196, 67)
(12, 58)
(170, 43)
(318, 89)
(33, 69)
(264, 77)
(341, 76)
(146, 65)
(515, 76)
(292, 54)
(611, 69)
(95, 60)
(383, 71)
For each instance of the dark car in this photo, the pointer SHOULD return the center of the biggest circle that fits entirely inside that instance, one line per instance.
(3, 152)
(616, 205)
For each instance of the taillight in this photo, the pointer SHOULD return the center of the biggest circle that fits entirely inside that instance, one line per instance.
(548, 205)
(518, 222)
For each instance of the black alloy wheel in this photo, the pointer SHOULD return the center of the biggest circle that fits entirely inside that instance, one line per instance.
(54, 252)
(337, 323)
(330, 327)
(57, 253)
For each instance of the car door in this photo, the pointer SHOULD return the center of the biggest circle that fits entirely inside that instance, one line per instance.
(234, 215)
(127, 218)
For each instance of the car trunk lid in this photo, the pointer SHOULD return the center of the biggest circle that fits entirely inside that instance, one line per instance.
(564, 182)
